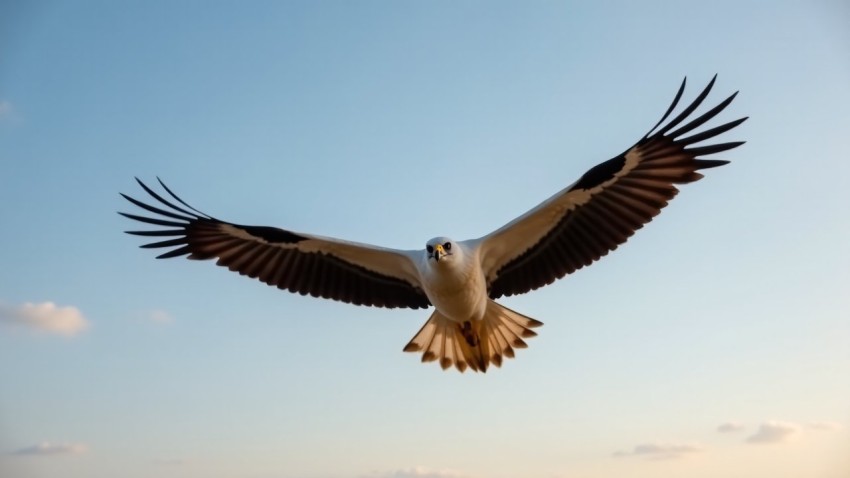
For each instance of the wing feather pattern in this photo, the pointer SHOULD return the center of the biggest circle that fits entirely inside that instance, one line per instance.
(611, 201)
(321, 267)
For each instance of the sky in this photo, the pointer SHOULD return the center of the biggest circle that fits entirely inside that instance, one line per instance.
(713, 343)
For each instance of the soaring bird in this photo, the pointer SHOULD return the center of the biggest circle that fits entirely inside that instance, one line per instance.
(462, 279)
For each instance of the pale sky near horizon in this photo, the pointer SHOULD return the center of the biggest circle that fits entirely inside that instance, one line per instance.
(713, 343)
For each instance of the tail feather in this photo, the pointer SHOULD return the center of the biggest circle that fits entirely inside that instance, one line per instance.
(473, 344)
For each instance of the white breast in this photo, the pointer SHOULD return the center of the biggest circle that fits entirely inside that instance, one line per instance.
(456, 286)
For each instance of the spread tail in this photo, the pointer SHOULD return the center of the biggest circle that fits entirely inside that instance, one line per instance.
(474, 344)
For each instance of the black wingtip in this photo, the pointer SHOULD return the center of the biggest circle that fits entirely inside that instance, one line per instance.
(689, 109)
(181, 201)
(669, 108)
(710, 163)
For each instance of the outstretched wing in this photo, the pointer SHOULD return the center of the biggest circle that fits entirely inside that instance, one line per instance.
(322, 267)
(611, 201)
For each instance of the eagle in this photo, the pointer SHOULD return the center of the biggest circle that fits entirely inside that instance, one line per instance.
(462, 280)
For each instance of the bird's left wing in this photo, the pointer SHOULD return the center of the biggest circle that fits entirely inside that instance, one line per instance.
(611, 201)
(350, 272)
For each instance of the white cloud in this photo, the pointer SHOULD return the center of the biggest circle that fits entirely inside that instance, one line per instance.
(730, 427)
(662, 450)
(825, 426)
(418, 472)
(44, 317)
(48, 449)
(774, 431)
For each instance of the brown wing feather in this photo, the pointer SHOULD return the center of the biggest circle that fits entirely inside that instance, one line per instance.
(616, 198)
(278, 257)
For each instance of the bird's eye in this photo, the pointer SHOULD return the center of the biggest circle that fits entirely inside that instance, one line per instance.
(447, 246)
(430, 249)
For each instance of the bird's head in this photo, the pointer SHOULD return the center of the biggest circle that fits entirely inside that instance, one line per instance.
(441, 249)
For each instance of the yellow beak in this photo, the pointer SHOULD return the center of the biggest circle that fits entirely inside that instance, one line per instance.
(439, 252)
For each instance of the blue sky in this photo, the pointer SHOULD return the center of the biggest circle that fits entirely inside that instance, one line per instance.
(712, 344)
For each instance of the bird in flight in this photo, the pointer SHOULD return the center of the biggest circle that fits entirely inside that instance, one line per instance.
(462, 279)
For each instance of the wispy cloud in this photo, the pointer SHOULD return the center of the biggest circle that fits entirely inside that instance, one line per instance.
(5, 109)
(8, 114)
(825, 426)
(160, 317)
(44, 317)
(170, 462)
(51, 449)
(774, 431)
(662, 450)
(730, 427)
(418, 472)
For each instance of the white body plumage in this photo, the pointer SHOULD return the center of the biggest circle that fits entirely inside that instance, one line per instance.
(453, 280)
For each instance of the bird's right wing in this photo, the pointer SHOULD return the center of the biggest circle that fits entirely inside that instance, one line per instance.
(350, 272)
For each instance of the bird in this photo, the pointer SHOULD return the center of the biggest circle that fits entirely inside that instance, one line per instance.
(462, 280)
